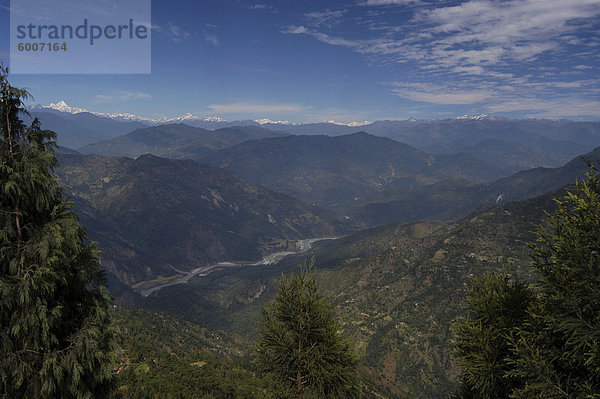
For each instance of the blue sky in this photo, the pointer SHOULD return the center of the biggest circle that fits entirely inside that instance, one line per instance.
(356, 60)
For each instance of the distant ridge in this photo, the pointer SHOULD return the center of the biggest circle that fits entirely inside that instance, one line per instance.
(330, 171)
(189, 118)
(457, 198)
(433, 135)
(177, 140)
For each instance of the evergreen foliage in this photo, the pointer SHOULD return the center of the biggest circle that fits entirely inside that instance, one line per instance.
(55, 334)
(164, 356)
(557, 353)
(300, 342)
(497, 306)
(551, 348)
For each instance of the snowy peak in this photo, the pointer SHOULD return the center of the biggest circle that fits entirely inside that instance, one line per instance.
(266, 121)
(64, 107)
(350, 124)
(215, 120)
(473, 117)
(192, 117)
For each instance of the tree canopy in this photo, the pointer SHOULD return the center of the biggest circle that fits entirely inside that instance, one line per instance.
(300, 342)
(56, 339)
(541, 340)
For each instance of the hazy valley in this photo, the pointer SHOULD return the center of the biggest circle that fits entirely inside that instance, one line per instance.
(413, 228)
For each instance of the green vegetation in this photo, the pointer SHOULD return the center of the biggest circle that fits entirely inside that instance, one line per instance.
(166, 357)
(396, 291)
(55, 333)
(299, 341)
(155, 216)
(498, 305)
(541, 340)
(456, 198)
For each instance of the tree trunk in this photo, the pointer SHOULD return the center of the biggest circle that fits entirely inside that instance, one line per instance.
(299, 384)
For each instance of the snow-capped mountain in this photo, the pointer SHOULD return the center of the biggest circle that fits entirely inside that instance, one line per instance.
(266, 121)
(79, 126)
(63, 107)
(351, 124)
(473, 117)
(206, 122)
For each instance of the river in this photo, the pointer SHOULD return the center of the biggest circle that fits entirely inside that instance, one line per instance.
(303, 246)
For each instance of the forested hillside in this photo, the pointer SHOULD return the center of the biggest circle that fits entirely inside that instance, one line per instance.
(397, 290)
(155, 216)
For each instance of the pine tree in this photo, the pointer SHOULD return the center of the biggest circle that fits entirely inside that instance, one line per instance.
(549, 345)
(497, 304)
(56, 339)
(557, 352)
(300, 343)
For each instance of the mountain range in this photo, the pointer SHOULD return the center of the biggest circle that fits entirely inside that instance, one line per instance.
(457, 198)
(76, 130)
(166, 199)
(526, 153)
(249, 209)
(178, 141)
(397, 289)
(436, 136)
(332, 171)
(158, 217)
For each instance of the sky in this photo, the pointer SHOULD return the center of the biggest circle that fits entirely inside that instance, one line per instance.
(355, 60)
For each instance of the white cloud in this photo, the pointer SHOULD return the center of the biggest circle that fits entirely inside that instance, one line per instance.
(295, 30)
(263, 7)
(522, 29)
(378, 46)
(508, 21)
(177, 34)
(490, 51)
(172, 31)
(212, 39)
(472, 70)
(252, 108)
(566, 107)
(430, 93)
(327, 16)
(474, 33)
(389, 2)
(123, 96)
